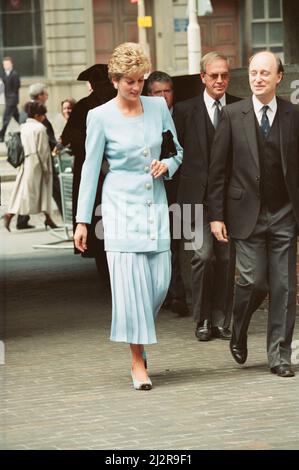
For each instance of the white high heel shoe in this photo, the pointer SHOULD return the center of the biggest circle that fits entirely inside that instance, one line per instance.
(147, 385)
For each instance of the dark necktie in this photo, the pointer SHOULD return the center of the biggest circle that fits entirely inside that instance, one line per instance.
(216, 113)
(265, 124)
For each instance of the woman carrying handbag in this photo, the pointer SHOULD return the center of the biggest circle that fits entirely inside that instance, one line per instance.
(127, 131)
(32, 191)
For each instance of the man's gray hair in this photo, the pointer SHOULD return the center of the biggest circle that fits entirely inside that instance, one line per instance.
(211, 57)
(36, 89)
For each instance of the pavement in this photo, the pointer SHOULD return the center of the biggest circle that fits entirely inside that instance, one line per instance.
(64, 385)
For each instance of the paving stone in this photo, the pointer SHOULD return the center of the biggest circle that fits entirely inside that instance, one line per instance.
(64, 385)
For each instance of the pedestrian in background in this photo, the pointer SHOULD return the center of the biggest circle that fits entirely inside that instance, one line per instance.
(66, 108)
(39, 92)
(11, 81)
(128, 131)
(32, 191)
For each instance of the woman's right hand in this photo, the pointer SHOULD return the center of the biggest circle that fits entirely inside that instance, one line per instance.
(80, 237)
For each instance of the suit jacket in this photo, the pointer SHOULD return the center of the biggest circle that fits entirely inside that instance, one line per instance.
(235, 150)
(11, 87)
(134, 206)
(190, 121)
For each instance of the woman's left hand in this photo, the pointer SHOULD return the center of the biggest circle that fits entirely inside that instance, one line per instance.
(158, 168)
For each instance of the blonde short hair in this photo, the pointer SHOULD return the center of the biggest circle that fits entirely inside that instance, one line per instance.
(211, 57)
(128, 59)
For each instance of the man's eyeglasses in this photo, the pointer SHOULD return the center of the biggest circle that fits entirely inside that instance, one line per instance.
(214, 76)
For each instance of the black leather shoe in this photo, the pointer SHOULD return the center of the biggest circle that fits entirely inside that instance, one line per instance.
(220, 332)
(203, 331)
(283, 370)
(24, 227)
(177, 306)
(239, 353)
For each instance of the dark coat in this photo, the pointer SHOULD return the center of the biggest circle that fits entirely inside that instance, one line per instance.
(235, 150)
(11, 87)
(50, 133)
(190, 121)
(74, 134)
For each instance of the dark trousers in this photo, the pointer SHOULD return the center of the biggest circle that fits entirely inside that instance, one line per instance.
(11, 110)
(56, 188)
(213, 272)
(176, 288)
(23, 219)
(266, 261)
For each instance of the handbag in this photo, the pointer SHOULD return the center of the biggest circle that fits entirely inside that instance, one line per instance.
(168, 148)
(15, 151)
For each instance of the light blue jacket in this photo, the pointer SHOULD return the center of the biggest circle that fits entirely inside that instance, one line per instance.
(134, 204)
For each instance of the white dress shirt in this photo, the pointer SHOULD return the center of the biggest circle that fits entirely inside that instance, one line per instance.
(258, 109)
(210, 104)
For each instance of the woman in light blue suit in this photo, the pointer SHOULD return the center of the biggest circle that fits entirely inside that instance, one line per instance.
(127, 131)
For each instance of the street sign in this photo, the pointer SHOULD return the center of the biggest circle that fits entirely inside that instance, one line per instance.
(144, 21)
(180, 24)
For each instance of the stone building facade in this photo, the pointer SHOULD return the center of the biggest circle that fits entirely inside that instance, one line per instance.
(54, 40)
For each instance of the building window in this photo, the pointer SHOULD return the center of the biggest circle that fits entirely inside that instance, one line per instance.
(266, 26)
(21, 35)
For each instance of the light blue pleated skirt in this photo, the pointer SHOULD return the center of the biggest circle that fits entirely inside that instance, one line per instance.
(139, 284)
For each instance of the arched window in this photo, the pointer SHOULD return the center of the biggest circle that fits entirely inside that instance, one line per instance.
(21, 35)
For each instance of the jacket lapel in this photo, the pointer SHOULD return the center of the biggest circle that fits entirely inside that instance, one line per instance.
(249, 126)
(284, 116)
(199, 120)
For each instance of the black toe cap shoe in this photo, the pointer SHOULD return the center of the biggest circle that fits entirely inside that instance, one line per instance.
(203, 331)
(239, 354)
(283, 370)
(222, 333)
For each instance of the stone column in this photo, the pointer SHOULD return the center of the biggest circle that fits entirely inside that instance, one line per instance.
(291, 31)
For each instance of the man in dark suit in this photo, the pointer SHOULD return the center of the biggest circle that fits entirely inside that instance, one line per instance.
(213, 264)
(257, 148)
(12, 85)
(161, 84)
